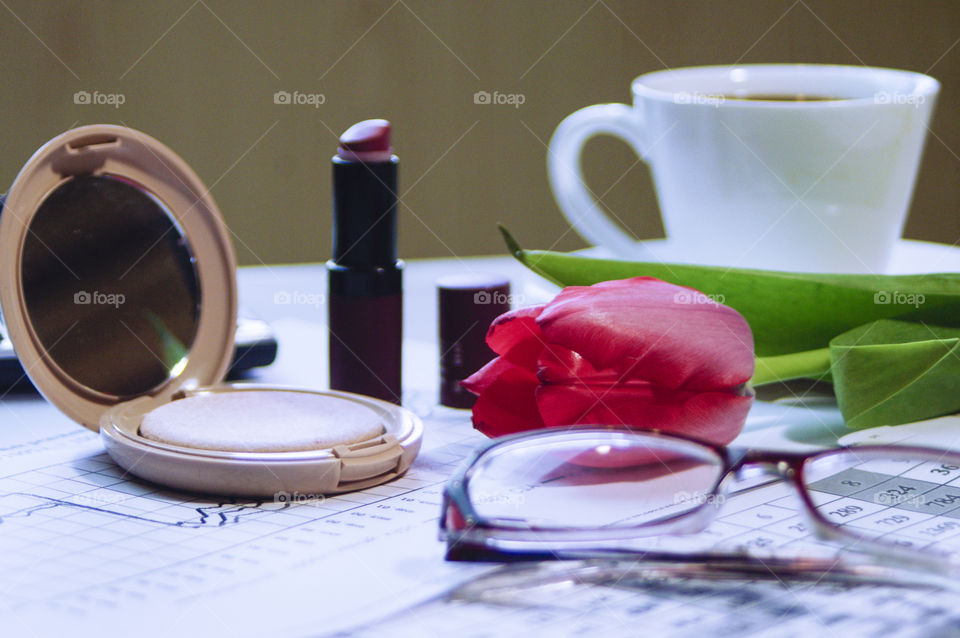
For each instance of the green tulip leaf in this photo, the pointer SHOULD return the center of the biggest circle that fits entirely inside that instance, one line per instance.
(893, 372)
(787, 312)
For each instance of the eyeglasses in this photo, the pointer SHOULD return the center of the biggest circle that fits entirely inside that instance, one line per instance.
(592, 492)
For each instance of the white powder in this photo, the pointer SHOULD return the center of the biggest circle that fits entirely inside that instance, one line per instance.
(261, 421)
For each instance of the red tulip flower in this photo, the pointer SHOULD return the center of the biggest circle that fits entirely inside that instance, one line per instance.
(635, 352)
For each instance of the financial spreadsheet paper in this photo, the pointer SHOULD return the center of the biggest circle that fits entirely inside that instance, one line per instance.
(88, 551)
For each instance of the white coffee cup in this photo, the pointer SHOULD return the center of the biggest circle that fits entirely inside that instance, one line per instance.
(816, 185)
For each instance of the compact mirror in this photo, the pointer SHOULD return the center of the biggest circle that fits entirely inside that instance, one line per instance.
(117, 274)
(105, 263)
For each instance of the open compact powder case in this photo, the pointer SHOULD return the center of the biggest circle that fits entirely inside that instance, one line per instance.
(118, 289)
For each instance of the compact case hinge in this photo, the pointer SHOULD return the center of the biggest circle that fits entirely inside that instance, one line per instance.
(364, 460)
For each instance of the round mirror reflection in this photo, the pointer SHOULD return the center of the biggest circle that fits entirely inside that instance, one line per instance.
(110, 285)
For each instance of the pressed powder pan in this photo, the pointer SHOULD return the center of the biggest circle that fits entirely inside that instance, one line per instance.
(118, 287)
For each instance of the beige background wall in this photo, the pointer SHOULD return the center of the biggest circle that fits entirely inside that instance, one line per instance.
(201, 76)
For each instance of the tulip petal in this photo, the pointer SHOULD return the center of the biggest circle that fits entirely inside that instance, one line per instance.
(479, 381)
(515, 336)
(506, 402)
(559, 365)
(648, 329)
(714, 417)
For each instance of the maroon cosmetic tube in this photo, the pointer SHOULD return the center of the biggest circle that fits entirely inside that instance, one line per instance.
(467, 304)
(364, 277)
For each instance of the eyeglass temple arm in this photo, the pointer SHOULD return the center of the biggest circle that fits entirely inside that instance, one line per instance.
(616, 564)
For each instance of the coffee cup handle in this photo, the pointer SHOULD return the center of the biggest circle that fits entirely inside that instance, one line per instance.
(566, 177)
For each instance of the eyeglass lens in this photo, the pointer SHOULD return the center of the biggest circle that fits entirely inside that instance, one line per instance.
(590, 480)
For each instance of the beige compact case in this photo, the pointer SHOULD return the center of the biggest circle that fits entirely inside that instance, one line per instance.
(118, 289)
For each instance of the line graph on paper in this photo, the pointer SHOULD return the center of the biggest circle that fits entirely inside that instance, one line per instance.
(24, 504)
(77, 533)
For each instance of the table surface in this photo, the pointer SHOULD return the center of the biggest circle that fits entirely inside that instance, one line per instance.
(291, 299)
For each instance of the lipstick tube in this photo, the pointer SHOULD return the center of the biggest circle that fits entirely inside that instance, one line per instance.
(364, 276)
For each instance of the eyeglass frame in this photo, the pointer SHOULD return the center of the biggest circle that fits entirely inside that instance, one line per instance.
(467, 539)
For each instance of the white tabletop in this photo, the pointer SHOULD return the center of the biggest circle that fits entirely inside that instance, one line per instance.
(351, 584)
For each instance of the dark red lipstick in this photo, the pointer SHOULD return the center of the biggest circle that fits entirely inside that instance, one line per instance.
(367, 141)
(365, 286)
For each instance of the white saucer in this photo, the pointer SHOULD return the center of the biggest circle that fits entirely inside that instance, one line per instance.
(909, 256)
